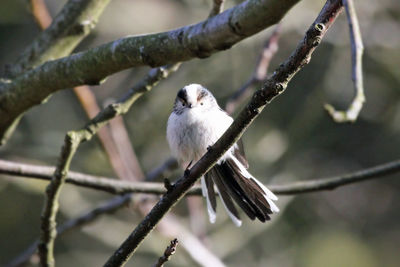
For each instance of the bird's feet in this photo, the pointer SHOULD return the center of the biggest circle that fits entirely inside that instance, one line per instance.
(187, 170)
(168, 185)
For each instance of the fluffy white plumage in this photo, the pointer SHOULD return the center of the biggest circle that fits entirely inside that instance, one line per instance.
(196, 123)
(190, 132)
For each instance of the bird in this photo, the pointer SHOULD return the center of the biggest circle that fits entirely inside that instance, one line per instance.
(196, 123)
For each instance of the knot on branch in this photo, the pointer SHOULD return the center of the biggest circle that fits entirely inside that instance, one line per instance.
(83, 28)
(235, 27)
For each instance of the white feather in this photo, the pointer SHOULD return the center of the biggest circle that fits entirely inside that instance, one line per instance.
(211, 213)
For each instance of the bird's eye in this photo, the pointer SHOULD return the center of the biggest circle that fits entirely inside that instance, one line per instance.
(201, 103)
(183, 104)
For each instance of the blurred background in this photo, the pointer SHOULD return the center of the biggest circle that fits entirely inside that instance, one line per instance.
(292, 140)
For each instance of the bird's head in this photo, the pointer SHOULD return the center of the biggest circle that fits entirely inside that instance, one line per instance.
(194, 97)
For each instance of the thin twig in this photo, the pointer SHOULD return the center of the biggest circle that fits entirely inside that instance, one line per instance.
(357, 49)
(260, 72)
(113, 186)
(218, 6)
(50, 208)
(169, 251)
(272, 88)
(108, 207)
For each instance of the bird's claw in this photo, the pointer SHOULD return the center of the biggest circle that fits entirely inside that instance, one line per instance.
(168, 185)
(187, 170)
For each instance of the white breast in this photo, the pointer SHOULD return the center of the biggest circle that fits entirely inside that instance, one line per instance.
(190, 133)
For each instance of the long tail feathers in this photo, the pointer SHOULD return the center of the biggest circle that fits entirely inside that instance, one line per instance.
(207, 188)
(235, 183)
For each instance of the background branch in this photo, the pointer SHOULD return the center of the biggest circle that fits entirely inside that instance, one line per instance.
(88, 101)
(94, 65)
(273, 87)
(357, 49)
(113, 186)
(40, 13)
(25, 170)
(217, 7)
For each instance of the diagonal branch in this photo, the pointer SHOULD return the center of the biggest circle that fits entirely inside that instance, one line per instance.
(357, 49)
(272, 88)
(94, 65)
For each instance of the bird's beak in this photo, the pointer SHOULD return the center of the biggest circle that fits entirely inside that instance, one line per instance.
(190, 105)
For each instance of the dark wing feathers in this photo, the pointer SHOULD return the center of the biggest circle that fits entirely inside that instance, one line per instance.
(223, 192)
(236, 193)
(251, 190)
(233, 186)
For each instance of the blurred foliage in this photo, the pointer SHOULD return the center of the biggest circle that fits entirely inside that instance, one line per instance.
(293, 139)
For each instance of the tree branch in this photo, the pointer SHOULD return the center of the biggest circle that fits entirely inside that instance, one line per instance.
(48, 218)
(169, 251)
(272, 88)
(113, 186)
(357, 49)
(94, 65)
(70, 26)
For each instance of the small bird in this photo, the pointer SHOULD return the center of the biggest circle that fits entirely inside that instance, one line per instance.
(196, 123)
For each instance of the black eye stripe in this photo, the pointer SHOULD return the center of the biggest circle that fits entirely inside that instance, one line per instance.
(182, 94)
